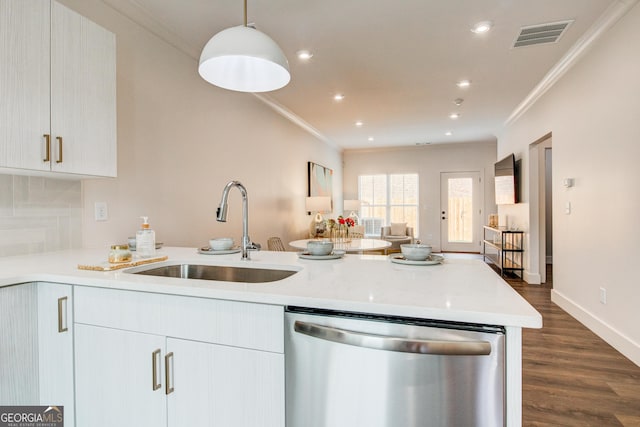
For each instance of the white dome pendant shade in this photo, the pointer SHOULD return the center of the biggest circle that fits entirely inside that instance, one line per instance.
(245, 60)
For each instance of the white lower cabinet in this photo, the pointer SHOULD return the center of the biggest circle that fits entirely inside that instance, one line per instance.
(36, 346)
(216, 385)
(155, 360)
(19, 345)
(114, 376)
(55, 347)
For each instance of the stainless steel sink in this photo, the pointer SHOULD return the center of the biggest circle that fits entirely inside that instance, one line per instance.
(216, 272)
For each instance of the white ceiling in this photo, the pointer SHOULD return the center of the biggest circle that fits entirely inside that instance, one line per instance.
(397, 62)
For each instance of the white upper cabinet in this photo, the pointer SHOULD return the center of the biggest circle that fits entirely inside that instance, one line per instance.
(24, 83)
(83, 95)
(58, 80)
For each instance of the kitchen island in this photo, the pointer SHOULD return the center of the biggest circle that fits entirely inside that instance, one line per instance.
(458, 290)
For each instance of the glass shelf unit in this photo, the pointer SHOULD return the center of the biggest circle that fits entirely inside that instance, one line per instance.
(504, 248)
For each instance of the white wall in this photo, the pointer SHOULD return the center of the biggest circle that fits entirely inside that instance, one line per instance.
(428, 161)
(180, 140)
(592, 113)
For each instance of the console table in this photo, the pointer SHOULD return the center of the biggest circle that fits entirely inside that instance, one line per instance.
(507, 248)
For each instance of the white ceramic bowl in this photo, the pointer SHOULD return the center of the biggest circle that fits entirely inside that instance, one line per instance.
(415, 251)
(319, 247)
(221, 244)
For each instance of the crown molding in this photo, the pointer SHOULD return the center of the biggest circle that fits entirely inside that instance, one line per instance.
(134, 11)
(295, 119)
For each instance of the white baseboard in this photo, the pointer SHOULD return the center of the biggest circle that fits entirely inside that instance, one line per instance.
(616, 339)
(532, 278)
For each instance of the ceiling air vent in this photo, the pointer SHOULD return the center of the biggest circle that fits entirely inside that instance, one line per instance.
(541, 34)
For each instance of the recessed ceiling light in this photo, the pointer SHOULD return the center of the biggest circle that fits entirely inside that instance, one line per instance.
(370, 139)
(458, 101)
(454, 116)
(481, 27)
(338, 97)
(448, 133)
(359, 123)
(463, 83)
(304, 55)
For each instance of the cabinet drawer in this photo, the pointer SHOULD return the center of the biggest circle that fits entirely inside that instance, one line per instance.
(257, 326)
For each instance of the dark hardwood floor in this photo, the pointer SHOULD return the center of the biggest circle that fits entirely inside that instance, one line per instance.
(571, 377)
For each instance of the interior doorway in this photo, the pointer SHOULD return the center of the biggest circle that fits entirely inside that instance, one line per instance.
(540, 209)
(460, 211)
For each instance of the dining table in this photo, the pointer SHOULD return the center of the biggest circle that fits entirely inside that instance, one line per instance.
(352, 245)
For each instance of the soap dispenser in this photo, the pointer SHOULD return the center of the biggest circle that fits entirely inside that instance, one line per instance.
(145, 240)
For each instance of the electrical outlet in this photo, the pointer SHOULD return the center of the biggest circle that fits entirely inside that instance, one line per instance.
(603, 296)
(100, 211)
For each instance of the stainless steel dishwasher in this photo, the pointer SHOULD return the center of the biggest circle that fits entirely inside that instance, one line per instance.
(359, 370)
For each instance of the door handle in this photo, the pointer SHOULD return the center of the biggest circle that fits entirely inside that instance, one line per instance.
(168, 373)
(59, 139)
(47, 147)
(155, 361)
(398, 344)
(62, 315)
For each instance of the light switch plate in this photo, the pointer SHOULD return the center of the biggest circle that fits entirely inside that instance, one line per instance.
(100, 211)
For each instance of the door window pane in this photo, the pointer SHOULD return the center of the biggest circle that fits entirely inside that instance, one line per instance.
(460, 210)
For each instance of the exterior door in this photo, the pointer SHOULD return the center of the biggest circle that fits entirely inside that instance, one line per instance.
(460, 211)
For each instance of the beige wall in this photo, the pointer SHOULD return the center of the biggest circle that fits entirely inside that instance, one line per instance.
(180, 140)
(592, 113)
(428, 161)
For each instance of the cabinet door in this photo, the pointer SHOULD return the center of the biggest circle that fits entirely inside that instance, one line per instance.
(217, 385)
(24, 83)
(115, 378)
(55, 343)
(83, 95)
(19, 345)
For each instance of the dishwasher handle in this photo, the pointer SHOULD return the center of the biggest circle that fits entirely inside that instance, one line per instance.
(403, 345)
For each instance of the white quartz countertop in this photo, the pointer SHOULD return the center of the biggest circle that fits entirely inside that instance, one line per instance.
(457, 290)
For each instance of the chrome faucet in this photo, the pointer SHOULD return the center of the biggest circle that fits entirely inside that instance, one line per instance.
(221, 216)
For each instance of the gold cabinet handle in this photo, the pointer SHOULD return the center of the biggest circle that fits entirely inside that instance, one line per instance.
(47, 147)
(62, 315)
(59, 139)
(155, 361)
(168, 373)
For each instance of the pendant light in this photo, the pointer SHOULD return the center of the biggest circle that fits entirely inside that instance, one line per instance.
(244, 59)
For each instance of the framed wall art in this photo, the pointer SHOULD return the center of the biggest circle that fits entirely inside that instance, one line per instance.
(320, 181)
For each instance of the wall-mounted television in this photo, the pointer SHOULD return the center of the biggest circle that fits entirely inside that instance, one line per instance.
(506, 175)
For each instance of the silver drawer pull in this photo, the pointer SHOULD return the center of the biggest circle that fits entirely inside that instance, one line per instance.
(155, 362)
(62, 314)
(168, 373)
(404, 345)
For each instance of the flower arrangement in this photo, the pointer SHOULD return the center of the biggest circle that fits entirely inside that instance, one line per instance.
(349, 222)
(340, 229)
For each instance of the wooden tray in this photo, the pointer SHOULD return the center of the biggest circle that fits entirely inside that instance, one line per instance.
(107, 266)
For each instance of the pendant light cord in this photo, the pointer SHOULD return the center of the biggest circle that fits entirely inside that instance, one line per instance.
(245, 13)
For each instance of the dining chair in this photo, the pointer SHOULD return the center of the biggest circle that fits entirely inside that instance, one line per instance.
(275, 244)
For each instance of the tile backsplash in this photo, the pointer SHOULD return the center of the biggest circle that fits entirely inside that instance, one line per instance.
(39, 214)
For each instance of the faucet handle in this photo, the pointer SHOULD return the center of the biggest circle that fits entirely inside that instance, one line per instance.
(254, 246)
